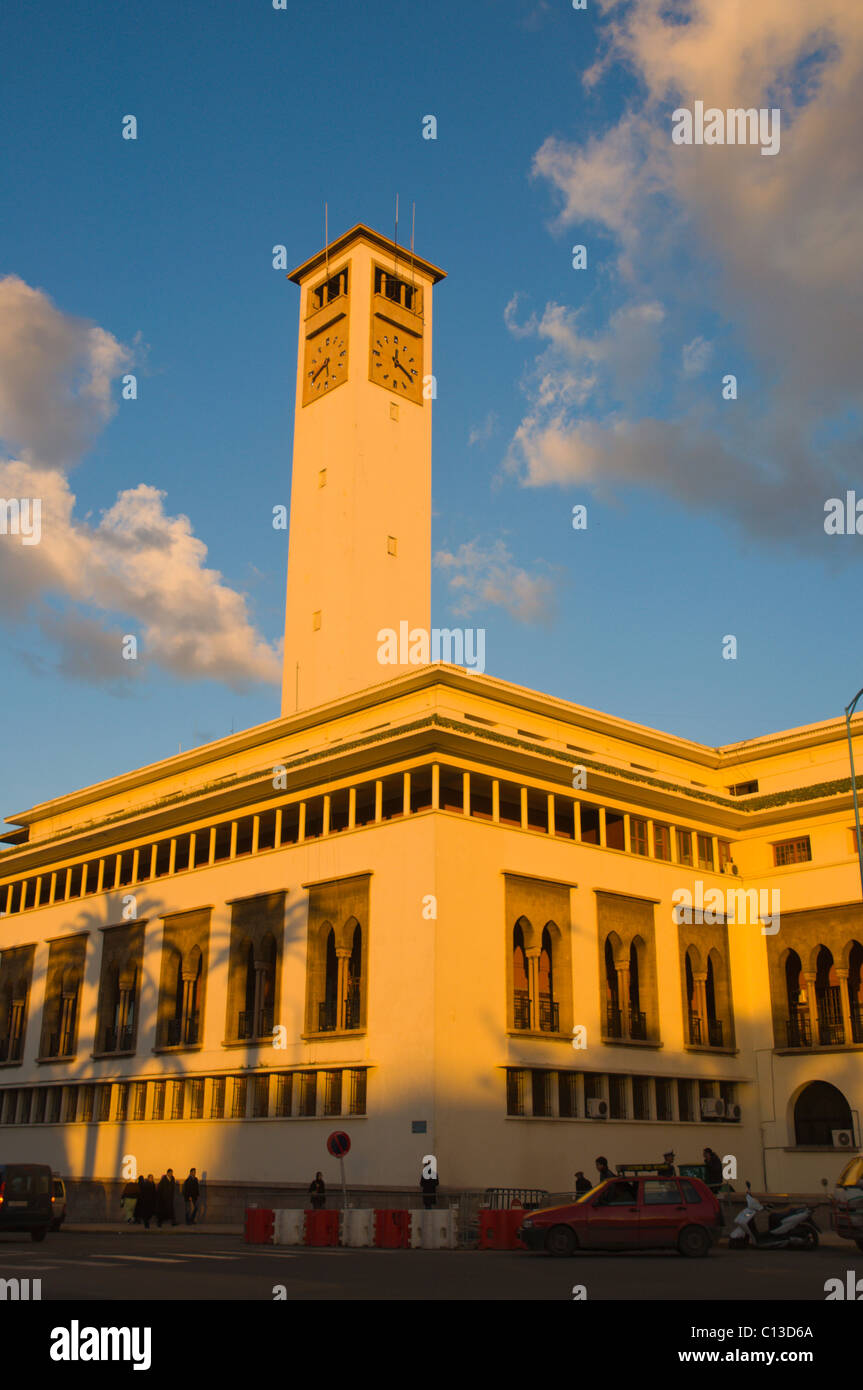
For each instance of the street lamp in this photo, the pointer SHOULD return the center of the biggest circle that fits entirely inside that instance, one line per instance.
(849, 710)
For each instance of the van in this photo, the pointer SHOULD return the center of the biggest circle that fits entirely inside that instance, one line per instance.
(58, 1202)
(25, 1198)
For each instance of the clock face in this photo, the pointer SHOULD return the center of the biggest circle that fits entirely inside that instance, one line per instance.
(326, 362)
(396, 359)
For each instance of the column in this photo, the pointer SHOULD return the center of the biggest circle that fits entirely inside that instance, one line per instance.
(842, 977)
(622, 971)
(343, 955)
(532, 954)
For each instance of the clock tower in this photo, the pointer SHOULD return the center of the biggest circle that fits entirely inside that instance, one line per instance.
(359, 556)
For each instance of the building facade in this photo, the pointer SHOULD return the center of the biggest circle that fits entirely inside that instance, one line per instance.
(449, 914)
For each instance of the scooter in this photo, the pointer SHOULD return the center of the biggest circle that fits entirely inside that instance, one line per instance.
(787, 1229)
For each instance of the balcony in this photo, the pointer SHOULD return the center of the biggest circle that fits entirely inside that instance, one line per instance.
(246, 1024)
(174, 1034)
(328, 1013)
(705, 1034)
(549, 1012)
(797, 1029)
(119, 1039)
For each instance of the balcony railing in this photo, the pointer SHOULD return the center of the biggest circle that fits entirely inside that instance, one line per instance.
(831, 1032)
(857, 1023)
(58, 1045)
(176, 1035)
(638, 1025)
(119, 1039)
(613, 1021)
(328, 1013)
(797, 1029)
(246, 1023)
(705, 1033)
(549, 1012)
(10, 1049)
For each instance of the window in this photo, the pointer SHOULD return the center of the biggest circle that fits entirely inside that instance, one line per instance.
(638, 835)
(283, 1094)
(724, 855)
(684, 847)
(690, 1192)
(661, 841)
(792, 852)
(392, 545)
(245, 832)
(178, 1097)
(705, 851)
(357, 1101)
(314, 818)
(181, 857)
(661, 1192)
(614, 830)
(480, 796)
(88, 1098)
(393, 797)
(515, 1087)
(641, 1098)
(196, 1099)
(537, 811)
(564, 817)
(509, 803)
(541, 1091)
(217, 1099)
(399, 291)
(163, 858)
(122, 1100)
(140, 1101)
(617, 1097)
(223, 843)
(684, 1100)
(451, 793)
(567, 1102)
(24, 1109)
(332, 1093)
(238, 1098)
(589, 824)
(743, 788)
(71, 1104)
(364, 813)
(330, 289)
(308, 1093)
(340, 810)
(158, 1100)
(267, 830)
(261, 1098)
(421, 789)
(619, 1194)
(55, 1097)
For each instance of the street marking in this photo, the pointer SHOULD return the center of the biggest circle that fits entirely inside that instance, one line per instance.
(150, 1259)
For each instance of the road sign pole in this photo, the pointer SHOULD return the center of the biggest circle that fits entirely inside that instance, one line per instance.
(344, 1189)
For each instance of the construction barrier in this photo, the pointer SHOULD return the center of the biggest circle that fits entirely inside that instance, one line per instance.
(433, 1229)
(497, 1228)
(392, 1229)
(322, 1227)
(289, 1226)
(358, 1226)
(259, 1226)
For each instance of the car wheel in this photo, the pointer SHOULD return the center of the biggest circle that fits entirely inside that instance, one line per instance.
(40, 1234)
(810, 1237)
(694, 1242)
(560, 1241)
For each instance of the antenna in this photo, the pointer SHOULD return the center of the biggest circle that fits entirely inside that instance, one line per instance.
(397, 234)
(413, 227)
(327, 238)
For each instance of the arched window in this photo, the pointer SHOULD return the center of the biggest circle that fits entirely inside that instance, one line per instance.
(328, 1009)
(828, 1000)
(547, 1008)
(637, 1018)
(855, 990)
(355, 969)
(799, 1032)
(520, 979)
(819, 1111)
(613, 1023)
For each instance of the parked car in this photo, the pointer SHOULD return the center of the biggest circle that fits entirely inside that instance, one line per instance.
(637, 1213)
(25, 1198)
(58, 1202)
(847, 1204)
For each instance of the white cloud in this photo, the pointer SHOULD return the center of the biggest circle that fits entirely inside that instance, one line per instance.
(479, 576)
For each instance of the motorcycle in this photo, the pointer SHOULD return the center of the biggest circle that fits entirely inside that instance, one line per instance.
(788, 1228)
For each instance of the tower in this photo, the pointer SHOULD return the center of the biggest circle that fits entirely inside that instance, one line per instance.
(359, 555)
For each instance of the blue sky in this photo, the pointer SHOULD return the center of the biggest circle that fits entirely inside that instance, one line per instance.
(556, 386)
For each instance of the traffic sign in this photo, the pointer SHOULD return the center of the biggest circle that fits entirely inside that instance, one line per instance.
(338, 1143)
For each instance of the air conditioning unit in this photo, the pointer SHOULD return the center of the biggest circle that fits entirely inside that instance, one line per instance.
(597, 1109)
(732, 1112)
(734, 868)
(842, 1139)
(712, 1109)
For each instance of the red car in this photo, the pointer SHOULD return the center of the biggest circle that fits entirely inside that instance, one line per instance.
(641, 1213)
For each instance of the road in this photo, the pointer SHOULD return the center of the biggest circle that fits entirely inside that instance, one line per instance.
(139, 1265)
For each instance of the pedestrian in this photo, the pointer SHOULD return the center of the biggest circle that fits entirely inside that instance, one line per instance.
(582, 1184)
(191, 1192)
(603, 1169)
(172, 1199)
(667, 1170)
(146, 1203)
(129, 1200)
(712, 1170)
(318, 1191)
(428, 1187)
(165, 1199)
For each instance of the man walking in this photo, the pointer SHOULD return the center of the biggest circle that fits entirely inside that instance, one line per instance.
(603, 1169)
(318, 1191)
(582, 1184)
(712, 1170)
(191, 1192)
